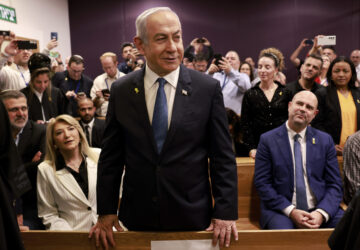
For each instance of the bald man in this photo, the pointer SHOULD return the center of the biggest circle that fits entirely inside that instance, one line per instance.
(296, 172)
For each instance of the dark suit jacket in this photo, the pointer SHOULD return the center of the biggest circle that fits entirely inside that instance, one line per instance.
(274, 172)
(346, 235)
(58, 105)
(329, 117)
(62, 81)
(170, 191)
(97, 132)
(9, 161)
(32, 140)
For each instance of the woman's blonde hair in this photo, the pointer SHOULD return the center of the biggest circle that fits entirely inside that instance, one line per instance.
(52, 152)
(275, 55)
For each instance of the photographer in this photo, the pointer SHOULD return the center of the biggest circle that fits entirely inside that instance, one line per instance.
(232, 82)
(100, 92)
(130, 54)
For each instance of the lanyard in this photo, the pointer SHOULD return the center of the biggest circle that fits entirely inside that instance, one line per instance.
(22, 75)
(224, 83)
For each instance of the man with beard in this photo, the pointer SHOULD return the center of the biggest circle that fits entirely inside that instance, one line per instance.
(297, 173)
(29, 138)
(93, 127)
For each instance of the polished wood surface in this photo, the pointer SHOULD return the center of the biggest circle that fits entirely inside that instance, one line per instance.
(248, 239)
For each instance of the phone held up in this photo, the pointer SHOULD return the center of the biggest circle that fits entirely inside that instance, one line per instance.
(327, 40)
(26, 44)
(54, 35)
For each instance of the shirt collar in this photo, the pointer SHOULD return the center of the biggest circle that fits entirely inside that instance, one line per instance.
(90, 124)
(117, 76)
(292, 133)
(172, 78)
(38, 94)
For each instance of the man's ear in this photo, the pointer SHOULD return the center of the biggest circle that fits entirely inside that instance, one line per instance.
(139, 44)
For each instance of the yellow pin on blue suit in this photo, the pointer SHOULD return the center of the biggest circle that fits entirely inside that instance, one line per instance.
(313, 140)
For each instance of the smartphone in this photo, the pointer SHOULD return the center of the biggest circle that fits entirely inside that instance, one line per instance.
(54, 35)
(4, 32)
(105, 91)
(309, 42)
(327, 40)
(200, 40)
(217, 57)
(81, 94)
(26, 44)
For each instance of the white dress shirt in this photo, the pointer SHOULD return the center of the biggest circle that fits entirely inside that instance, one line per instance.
(311, 199)
(151, 87)
(101, 82)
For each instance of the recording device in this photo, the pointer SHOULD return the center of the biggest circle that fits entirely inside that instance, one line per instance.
(26, 44)
(309, 42)
(327, 40)
(200, 40)
(217, 57)
(54, 35)
(105, 91)
(54, 54)
(4, 32)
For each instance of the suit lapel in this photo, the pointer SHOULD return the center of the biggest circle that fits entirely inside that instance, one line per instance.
(180, 102)
(92, 176)
(311, 149)
(25, 138)
(283, 143)
(137, 97)
(70, 184)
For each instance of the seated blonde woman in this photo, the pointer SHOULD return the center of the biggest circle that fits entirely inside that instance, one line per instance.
(66, 181)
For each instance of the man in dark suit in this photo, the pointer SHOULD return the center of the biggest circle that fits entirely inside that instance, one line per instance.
(29, 138)
(296, 172)
(93, 127)
(163, 125)
(73, 82)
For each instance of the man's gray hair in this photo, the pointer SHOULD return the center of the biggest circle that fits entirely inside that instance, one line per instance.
(11, 94)
(142, 19)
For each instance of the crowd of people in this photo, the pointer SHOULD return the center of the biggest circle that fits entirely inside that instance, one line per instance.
(57, 122)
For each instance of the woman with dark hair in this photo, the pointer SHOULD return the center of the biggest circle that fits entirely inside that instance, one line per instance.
(44, 101)
(265, 105)
(340, 110)
(246, 68)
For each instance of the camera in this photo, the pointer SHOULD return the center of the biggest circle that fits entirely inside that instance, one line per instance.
(26, 44)
(4, 32)
(327, 40)
(200, 40)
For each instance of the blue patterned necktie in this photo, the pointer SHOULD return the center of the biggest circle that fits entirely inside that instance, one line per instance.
(160, 117)
(301, 201)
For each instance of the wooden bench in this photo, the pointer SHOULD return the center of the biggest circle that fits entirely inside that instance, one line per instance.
(248, 200)
(248, 239)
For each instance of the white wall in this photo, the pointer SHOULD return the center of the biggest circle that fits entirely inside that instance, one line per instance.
(37, 18)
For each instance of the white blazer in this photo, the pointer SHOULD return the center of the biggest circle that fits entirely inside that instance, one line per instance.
(62, 205)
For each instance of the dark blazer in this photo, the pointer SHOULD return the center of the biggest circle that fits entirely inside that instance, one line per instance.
(170, 190)
(9, 161)
(97, 132)
(274, 172)
(346, 235)
(62, 81)
(58, 105)
(329, 117)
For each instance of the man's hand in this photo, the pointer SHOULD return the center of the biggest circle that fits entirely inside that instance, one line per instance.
(225, 65)
(103, 230)
(252, 153)
(206, 42)
(213, 68)
(36, 157)
(222, 231)
(301, 218)
(20, 220)
(317, 219)
(52, 44)
(70, 93)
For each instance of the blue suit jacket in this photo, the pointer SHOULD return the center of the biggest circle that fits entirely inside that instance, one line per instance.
(274, 172)
(170, 190)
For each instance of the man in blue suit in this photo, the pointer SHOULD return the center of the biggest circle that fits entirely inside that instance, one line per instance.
(296, 172)
(164, 124)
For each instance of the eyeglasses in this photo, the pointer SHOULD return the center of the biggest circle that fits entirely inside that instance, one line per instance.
(77, 71)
